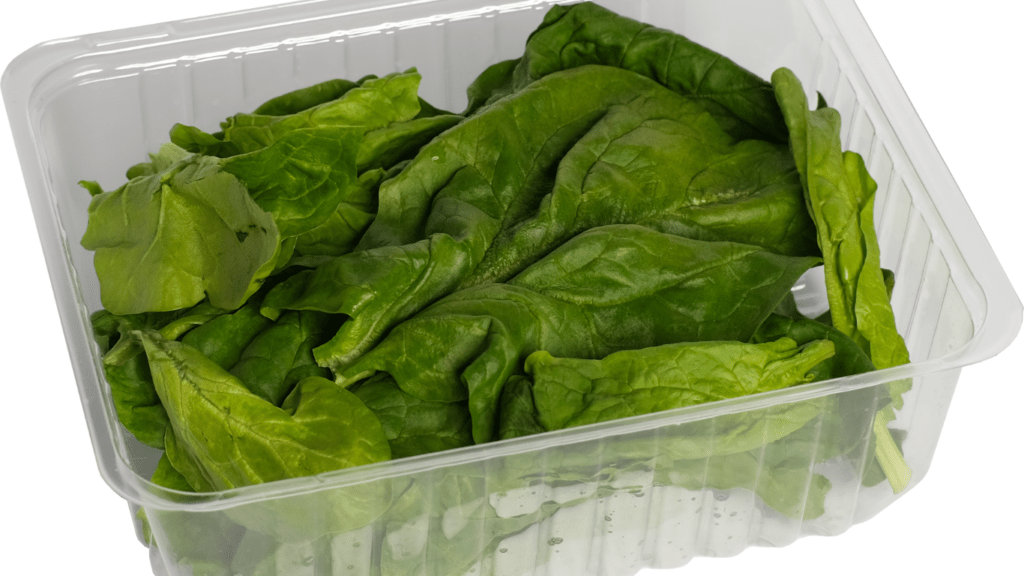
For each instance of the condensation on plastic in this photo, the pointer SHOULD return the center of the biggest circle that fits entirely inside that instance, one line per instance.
(607, 499)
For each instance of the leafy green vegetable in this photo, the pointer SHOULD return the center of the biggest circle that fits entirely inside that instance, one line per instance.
(301, 177)
(305, 98)
(127, 370)
(468, 211)
(225, 436)
(165, 241)
(849, 358)
(375, 103)
(268, 357)
(414, 426)
(205, 542)
(580, 302)
(572, 392)
(582, 34)
(613, 228)
(517, 413)
(438, 217)
(840, 196)
(343, 229)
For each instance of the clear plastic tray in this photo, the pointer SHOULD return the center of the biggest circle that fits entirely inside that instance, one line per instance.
(607, 499)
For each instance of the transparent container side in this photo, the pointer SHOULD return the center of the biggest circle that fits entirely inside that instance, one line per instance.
(604, 501)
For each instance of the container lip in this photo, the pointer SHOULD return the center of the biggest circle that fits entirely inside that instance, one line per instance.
(998, 325)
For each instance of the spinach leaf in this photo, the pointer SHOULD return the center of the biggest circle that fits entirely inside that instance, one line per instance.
(305, 98)
(437, 218)
(608, 289)
(202, 542)
(849, 358)
(573, 392)
(225, 436)
(343, 229)
(375, 103)
(475, 208)
(166, 157)
(165, 241)
(269, 357)
(840, 197)
(663, 162)
(414, 426)
(281, 356)
(400, 141)
(572, 36)
(301, 177)
(127, 371)
(517, 413)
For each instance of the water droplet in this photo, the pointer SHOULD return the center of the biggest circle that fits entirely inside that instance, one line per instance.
(436, 158)
(554, 541)
(351, 567)
(607, 518)
(721, 496)
(717, 515)
(503, 550)
(732, 514)
(692, 499)
(638, 494)
(308, 561)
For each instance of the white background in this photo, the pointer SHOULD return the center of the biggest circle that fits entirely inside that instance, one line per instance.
(962, 70)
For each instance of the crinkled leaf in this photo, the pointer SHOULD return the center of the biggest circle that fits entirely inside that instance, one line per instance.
(475, 206)
(343, 229)
(231, 437)
(582, 34)
(517, 413)
(574, 392)
(166, 241)
(608, 289)
(414, 426)
(302, 177)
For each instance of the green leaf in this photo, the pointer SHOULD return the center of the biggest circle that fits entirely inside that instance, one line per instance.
(343, 229)
(400, 141)
(226, 436)
(168, 156)
(414, 426)
(375, 104)
(127, 372)
(166, 241)
(585, 34)
(301, 177)
(608, 289)
(305, 98)
(849, 359)
(517, 413)
(281, 356)
(574, 392)
(465, 210)
(840, 196)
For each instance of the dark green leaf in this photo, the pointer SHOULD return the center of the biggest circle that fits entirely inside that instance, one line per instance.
(583, 34)
(414, 426)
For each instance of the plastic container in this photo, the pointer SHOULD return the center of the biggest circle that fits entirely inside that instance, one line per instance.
(603, 500)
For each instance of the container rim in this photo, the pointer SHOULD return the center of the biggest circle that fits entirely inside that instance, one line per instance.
(999, 321)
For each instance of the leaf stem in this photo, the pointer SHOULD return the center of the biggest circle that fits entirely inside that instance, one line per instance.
(890, 457)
